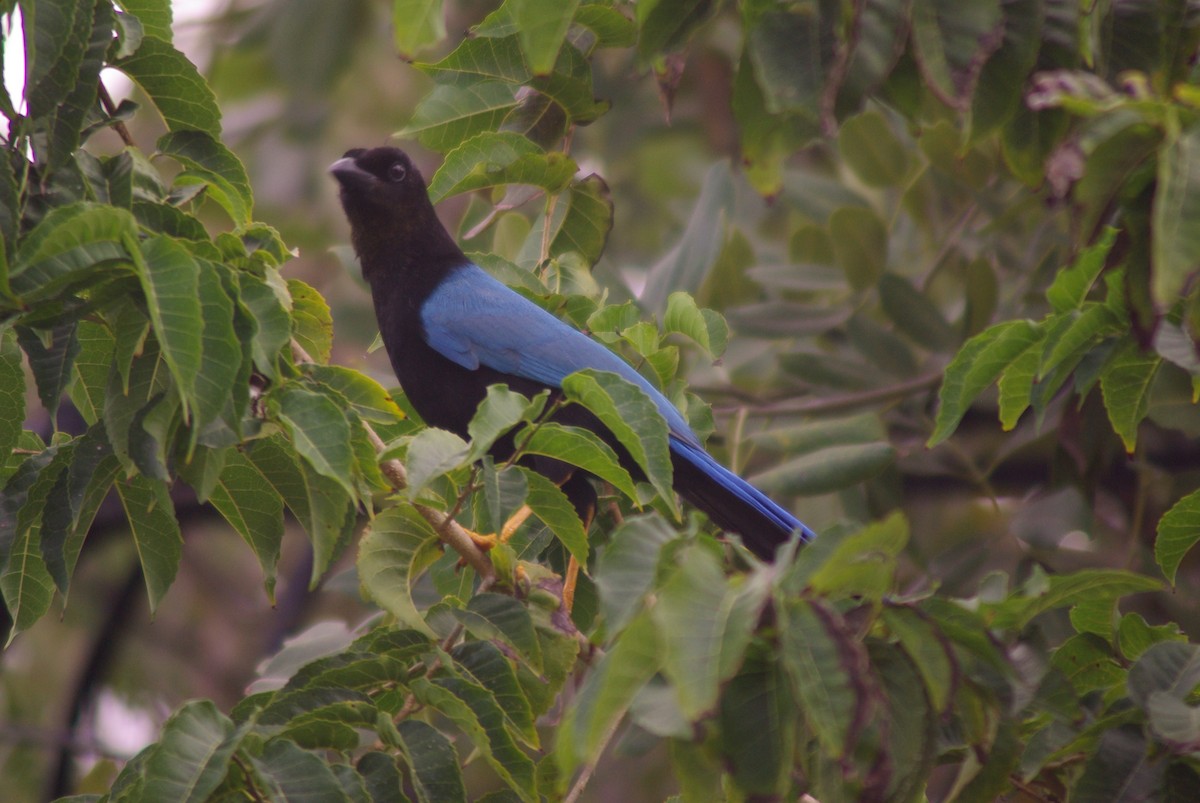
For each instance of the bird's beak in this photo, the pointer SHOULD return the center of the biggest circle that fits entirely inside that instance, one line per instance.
(346, 171)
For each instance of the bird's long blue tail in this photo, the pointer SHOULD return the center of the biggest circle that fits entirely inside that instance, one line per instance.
(733, 503)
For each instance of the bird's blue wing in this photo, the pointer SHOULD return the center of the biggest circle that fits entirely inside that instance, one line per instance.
(473, 319)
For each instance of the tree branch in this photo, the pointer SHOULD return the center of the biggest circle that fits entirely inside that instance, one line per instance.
(450, 531)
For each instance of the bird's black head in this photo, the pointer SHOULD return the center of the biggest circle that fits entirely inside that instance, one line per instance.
(392, 222)
(382, 177)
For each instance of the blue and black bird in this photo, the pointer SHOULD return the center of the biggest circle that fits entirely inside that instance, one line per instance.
(451, 330)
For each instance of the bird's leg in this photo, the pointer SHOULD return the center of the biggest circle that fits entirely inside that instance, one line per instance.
(486, 542)
(587, 513)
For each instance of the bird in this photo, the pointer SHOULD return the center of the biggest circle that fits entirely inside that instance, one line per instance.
(450, 330)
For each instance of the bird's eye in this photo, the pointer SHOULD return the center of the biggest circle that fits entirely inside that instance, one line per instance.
(397, 172)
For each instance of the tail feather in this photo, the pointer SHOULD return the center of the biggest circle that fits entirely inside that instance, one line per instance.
(733, 503)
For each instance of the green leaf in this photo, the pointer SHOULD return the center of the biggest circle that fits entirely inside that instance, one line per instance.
(318, 429)
(607, 692)
(174, 86)
(860, 245)
(55, 38)
(826, 667)
(790, 50)
(1120, 764)
(705, 625)
(432, 453)
(664, 25)
(321, 505)
(292, 773)
(551, 505)
(69, 246)
(626, 569)
(154, 16)
(1171, 668)
(1134, 636)
(929, 651)
(632, 417)
(192, 756)
(952, 42)
(914, 314)
(251, 508)
(362, 393)
(688, 263)
(25, 581)
(999, 92)
(501, 618)
(436, 776)
(216, 384)
(12, 391)
(206, 159)
(1016, 384)
(486, 664)
(263, 306)
(496, 158)
(868, 145)
(683, 316)
(1086, 660)
(84, 56)
(1063, 590)
(610, 26)
(541, 26)
(976, 365)
(579, 447)
(50, 362)
(862, 564)
(757, 721)
(826, 470)
(395, 549)
(767, 140)
(417, 24)
(170, 279)
(450, 115)
(155, 531)
(474, 710)
(1071, 286)
(500, 411)
(1125, 385)
(312, 325)
(1178, 531)
(1175, 250)
(582, 219)
(481, 58)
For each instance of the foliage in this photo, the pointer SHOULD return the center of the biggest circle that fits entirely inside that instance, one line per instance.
(964, 196)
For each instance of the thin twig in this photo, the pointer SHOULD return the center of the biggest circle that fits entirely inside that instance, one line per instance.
(110, 109)
(449, 530)
(588, 769)
(846, 401)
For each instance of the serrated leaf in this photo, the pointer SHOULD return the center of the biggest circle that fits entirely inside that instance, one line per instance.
(1071, 286)
(825, 667)
(978, 363)
(362, 393)
(12, 391)
(626, 569)
(551, 505)
(1125, 385)
(709, 331)
(541, 26)
(318, 429)
(450, 115)
(432, 453)
(204, 157)
(154, 16)
(174, 86)
(51, 363)
(930, 653)
(417, 24)
(757, 721)
(216, 383)
(502, 618)
(170, 279)
(1064, 590)
(291, 773)
(312, 324)
(395, 549)
(583, 448)
(264, 309)
(69, 246)
(251, 508)
(705, 625)
(632, 417)
(1175, 249)
(1016, 384)
(500, 411)
(496, 158)
(606, 695)
(434, 765)
(862, 563)
(192, 756)
(25, 581)
(1178, 531)
(474, 710)
(156, 535)
(484, 662)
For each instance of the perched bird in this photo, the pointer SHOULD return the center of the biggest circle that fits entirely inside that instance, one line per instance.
(451, 330)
